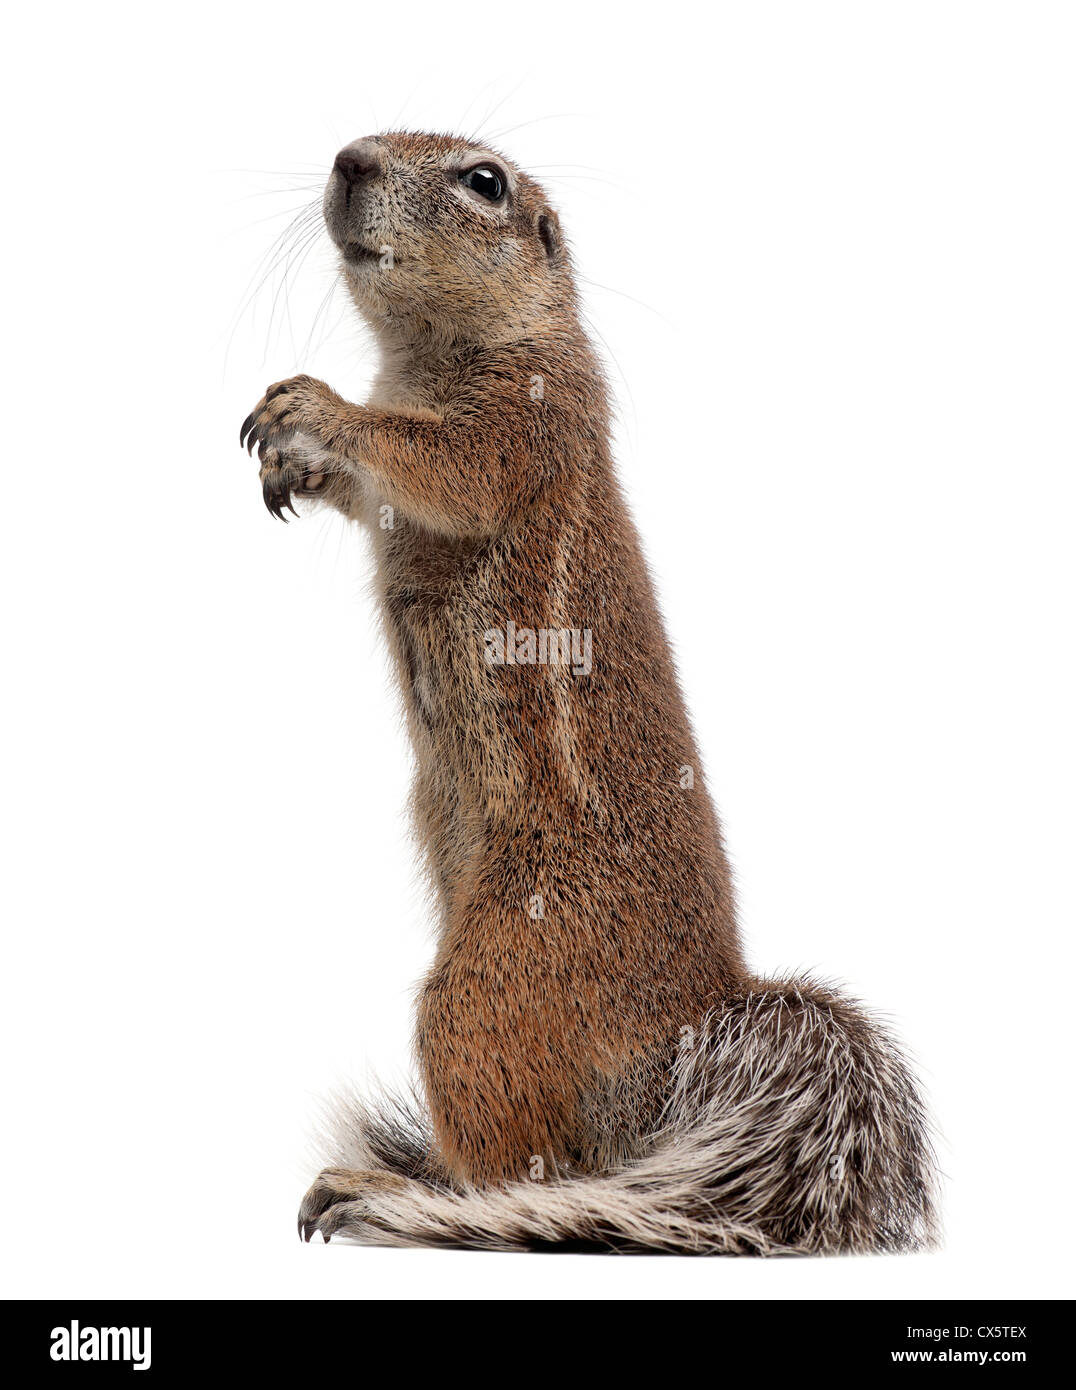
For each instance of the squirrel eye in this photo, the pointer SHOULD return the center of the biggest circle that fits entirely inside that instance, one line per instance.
(485, 181)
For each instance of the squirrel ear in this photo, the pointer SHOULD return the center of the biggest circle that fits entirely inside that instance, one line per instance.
(549, 233)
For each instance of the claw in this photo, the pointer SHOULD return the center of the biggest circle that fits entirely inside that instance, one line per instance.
(271, 498)
(246, 427)
(252, 440)
(277, 498)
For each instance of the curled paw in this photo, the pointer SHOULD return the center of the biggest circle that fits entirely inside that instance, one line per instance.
(337, 1198)
(297, 405)
(283, 472)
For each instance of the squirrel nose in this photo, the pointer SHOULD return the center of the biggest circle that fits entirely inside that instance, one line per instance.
(359, 162)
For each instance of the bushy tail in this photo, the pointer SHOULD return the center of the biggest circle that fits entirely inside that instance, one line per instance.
(793, 1125)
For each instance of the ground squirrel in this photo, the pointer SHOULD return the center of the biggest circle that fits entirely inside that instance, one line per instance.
(598, 1065)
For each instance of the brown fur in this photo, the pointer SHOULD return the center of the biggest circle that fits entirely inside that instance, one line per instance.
(587, 915)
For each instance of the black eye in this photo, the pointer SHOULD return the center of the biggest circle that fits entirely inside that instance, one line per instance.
(486, 181)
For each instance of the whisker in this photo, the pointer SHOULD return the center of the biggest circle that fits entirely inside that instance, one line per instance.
(589, 323)
(278, 192)
(306, 173)
(555, 177)
(300, 250)
(476, 97)
(507, 97)
(259, 221)
(558, 116)
(279, 249)
(321, 310)
(407, 101)
(583, 280)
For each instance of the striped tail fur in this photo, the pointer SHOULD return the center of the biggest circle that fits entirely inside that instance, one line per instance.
(793, 1125)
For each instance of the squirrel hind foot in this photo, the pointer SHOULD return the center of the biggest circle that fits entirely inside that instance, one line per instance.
(336, 1199)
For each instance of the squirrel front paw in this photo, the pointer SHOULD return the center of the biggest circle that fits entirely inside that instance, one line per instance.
(284, 425)
(298, 405)
(284, 471)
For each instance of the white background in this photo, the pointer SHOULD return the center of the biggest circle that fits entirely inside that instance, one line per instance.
(830, 252)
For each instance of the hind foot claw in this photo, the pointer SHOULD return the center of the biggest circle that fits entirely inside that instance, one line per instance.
(336, 1197)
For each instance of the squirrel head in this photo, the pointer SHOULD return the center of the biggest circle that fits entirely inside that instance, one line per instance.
(442, 239)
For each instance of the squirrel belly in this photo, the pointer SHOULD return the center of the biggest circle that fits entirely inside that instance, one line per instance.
(597, 1064)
